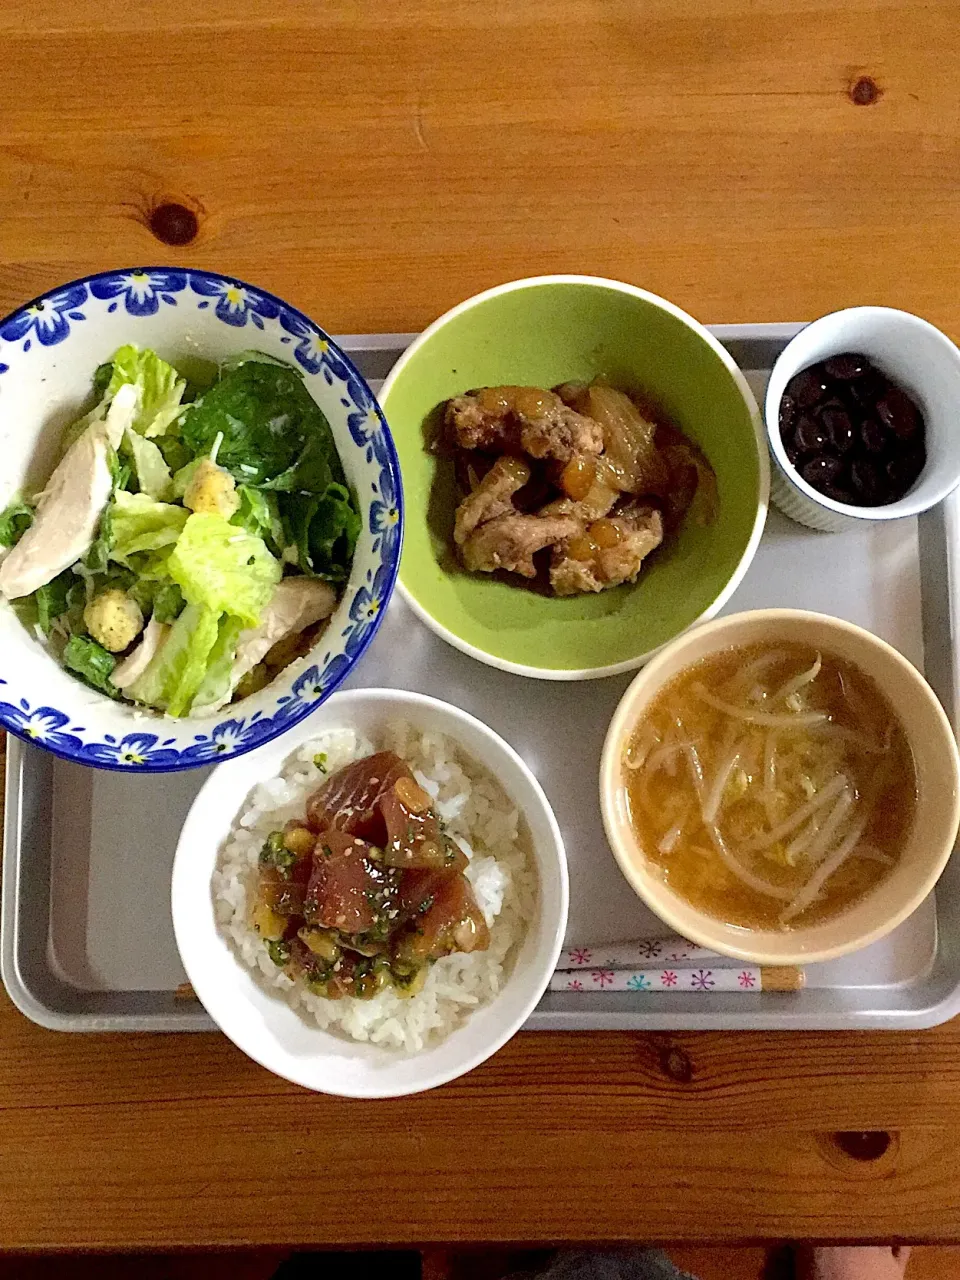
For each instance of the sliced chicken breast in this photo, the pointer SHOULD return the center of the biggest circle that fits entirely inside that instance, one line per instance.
(70, 506)
(296, 603)
(134, 665)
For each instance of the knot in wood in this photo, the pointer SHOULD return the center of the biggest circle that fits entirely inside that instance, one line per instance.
(675, 1064)
(174, 224)
(864, 91)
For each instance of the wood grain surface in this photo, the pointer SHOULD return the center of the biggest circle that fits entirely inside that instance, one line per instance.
(375, 163)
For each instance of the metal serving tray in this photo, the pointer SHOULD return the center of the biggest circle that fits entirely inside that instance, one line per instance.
(87, 944)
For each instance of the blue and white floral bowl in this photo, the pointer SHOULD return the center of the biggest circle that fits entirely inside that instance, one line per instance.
(49, 350)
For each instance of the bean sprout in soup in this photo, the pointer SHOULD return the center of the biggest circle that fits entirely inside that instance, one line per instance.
(772, 785)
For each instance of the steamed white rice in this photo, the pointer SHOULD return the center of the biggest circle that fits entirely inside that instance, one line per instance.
(477, 814)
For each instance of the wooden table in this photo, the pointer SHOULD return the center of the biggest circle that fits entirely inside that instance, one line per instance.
(375, 163)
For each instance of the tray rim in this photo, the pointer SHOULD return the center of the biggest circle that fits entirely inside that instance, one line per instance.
(938, 528)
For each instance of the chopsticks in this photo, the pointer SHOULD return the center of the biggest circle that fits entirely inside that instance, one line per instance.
(666, 964)
(703, 980)
(624, 955)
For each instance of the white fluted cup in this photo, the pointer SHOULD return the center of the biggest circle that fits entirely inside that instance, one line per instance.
(915, 355)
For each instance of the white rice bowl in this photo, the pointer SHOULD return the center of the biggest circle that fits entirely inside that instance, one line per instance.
(473, 1004)
(475, 811)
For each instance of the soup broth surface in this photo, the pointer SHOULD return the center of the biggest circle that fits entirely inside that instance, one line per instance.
(771, 785)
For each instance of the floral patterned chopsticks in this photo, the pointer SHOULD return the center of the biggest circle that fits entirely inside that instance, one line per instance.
(684, 966)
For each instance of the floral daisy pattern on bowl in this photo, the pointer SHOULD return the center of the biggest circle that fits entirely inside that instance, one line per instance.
(236, 302)
(367, 610)
(47, 319)
(140, 291)
(132, 751)
(313, 347)
(385, 521)
(43, 725)
(140, 294)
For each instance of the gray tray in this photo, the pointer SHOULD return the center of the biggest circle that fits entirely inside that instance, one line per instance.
(86, 942)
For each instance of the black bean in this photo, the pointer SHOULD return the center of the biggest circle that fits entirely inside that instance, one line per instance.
(839, 493)
(810, 436)
(821, 470)
(899, 413)
(853, 434)
(903, 470)
(788, 413)
(838, 428)
(846, 366)
(807, 387)
(866, 480)
(872, 436)
(866, 391)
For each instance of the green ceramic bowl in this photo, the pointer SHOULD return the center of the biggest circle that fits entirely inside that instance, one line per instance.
(541, 332)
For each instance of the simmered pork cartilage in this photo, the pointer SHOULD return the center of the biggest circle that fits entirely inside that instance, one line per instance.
(521, 420)
(583, 455)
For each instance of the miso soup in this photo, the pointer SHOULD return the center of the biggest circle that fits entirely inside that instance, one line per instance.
(772, 785)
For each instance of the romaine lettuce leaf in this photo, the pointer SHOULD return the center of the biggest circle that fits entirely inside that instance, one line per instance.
(91, 662)
(223, 568)
(273, 437)
(138, 523)
(167, 602)
(152, 472)
(119, 471)
(183, 475)
(58, 605)
(216, 681)
(97, 556)
(15, 520)
(52, 599)
(154, 592)
(161, 388)
(161, 391)
(176, 672)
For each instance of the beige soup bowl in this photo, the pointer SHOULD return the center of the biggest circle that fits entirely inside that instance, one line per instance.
(938, 776)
